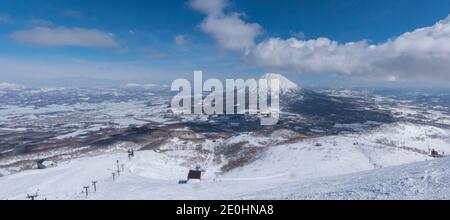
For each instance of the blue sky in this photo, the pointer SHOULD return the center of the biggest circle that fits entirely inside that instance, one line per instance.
(48, 42)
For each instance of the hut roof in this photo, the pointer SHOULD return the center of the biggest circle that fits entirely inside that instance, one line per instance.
(194, 174)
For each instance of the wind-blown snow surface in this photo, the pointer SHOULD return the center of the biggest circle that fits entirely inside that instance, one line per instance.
(421, 180)
(320, 168)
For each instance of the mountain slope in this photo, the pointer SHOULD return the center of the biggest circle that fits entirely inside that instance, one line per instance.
(305, 169)
(285, 84)
(421, 180)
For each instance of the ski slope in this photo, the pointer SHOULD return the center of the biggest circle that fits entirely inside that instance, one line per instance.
(353, 166)
(421, 180)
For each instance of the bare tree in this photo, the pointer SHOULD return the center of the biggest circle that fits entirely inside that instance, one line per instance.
(114, 176)
(32, 196)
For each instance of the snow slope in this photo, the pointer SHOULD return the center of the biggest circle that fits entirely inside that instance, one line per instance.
(421, 180)
(285, 84)
(386, 146)
(357, 166)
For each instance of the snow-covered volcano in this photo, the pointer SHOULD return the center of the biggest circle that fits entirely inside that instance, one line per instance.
(305, 110)
(285, 84)
(308, 111)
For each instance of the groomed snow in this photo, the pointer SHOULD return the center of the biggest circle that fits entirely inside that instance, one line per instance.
(422, 180)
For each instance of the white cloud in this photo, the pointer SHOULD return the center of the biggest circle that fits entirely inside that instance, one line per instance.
(423, 54)
(63, 36)
(179, 39)
(230, 31)
(5, 19)
(312, 56)
(10, 86)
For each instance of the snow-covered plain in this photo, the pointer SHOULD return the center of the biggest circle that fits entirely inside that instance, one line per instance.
(354, 166)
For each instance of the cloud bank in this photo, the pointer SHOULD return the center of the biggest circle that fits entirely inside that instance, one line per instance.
(422, 54)
(64, 36)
